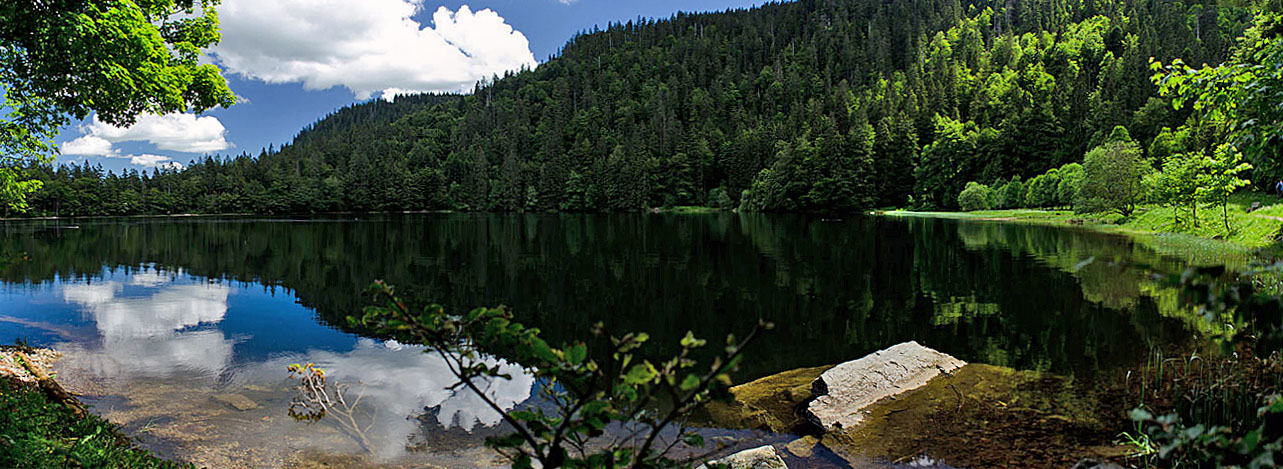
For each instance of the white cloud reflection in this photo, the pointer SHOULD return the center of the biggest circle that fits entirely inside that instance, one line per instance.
(400, 381)
(171, 330)
(147, 336)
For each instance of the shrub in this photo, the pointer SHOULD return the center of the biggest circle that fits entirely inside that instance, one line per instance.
(1113, 176)
(718, 199)
(974, 197)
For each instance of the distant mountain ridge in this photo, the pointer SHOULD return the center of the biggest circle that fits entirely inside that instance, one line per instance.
(805, 106)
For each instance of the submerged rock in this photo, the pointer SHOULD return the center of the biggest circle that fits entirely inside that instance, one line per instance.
(984, 416)
(764, 457)
(769, 403)
(844, 391)
(803, 447)
(237, 401)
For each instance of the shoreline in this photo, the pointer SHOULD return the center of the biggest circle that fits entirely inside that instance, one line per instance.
(45, 425)
(1194, 248)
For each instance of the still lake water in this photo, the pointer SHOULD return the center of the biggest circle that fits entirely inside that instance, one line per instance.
(167, 325)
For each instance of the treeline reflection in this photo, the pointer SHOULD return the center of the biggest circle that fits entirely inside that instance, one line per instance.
(1024, 296)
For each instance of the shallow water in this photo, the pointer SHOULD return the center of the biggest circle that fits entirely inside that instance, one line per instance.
(168, 325)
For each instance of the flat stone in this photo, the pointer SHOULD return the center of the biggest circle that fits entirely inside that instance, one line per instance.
(803, 447)
(237, 401)
(844, 391)
(764, 457)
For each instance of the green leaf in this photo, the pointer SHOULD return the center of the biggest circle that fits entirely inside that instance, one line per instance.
(691, 342)
(576, 354)
(641, 374)
(690, 382)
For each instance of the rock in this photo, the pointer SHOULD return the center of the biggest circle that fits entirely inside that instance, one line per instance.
(845, 390)
(769, 403)
(803, 447)
(237, 401)
(757, 458)
(1094, 464)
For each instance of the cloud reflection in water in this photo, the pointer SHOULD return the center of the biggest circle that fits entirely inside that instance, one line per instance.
(153, 328)
(148, 336)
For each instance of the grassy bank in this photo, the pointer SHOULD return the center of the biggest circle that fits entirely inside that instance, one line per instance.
(38, 432)
(1157, 226)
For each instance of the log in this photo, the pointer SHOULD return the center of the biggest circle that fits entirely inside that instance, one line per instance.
(51, 388)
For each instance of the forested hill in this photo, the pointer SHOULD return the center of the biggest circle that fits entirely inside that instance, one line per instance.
(813, 105)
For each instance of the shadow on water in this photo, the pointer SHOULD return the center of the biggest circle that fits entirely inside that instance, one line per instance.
(219, 306)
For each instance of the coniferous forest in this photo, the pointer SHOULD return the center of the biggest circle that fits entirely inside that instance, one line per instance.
(806, 106)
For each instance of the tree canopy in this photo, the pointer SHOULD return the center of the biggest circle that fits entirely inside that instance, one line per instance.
(117, 59)
(811, 106)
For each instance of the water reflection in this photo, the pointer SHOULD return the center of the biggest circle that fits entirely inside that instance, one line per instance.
(167, 317)
(159, 348)
(153, 335)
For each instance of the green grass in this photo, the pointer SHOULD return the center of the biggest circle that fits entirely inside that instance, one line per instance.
(36, 432)
(690, 209)
(1156, 226)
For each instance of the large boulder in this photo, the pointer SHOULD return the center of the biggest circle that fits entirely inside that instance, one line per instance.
(844, 391)
(764, 457)
(771, 403)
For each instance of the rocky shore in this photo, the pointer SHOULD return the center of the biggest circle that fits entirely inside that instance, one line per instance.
(18, 362)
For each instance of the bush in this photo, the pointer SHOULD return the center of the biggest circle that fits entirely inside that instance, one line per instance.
(974, 197)
(1113, 176)
(1042, 189)
(1071, 183)
(718, 199)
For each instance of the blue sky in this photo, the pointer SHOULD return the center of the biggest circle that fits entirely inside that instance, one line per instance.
(294, 61)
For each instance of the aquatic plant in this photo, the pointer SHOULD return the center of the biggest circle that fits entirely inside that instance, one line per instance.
(590, 389)
(318, 397)
(1210, 407)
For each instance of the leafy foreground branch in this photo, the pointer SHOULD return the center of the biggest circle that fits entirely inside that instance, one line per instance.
(611, 407)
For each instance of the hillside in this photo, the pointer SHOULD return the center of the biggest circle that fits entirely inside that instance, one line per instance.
(810, 106)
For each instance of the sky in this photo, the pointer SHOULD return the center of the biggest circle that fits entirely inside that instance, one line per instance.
(291, 62)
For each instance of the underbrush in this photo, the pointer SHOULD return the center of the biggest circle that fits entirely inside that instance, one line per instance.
(36, 432)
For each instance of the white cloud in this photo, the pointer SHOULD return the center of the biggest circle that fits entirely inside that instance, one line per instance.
(175, 132)
(88, 145)
(155, 161)
(366, 46)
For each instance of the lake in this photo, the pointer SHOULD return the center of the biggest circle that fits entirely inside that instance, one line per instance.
(181, 329)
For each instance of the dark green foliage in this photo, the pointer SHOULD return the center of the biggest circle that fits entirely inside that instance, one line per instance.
(814, 105)
(1200, 445)
(1239, 99)
(717, 198)
(37, 432)
(591, 385)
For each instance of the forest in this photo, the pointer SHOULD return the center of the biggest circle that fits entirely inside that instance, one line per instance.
(805, 106)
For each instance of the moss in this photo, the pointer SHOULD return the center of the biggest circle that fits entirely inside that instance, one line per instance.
(37, 432)
(768, 403)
